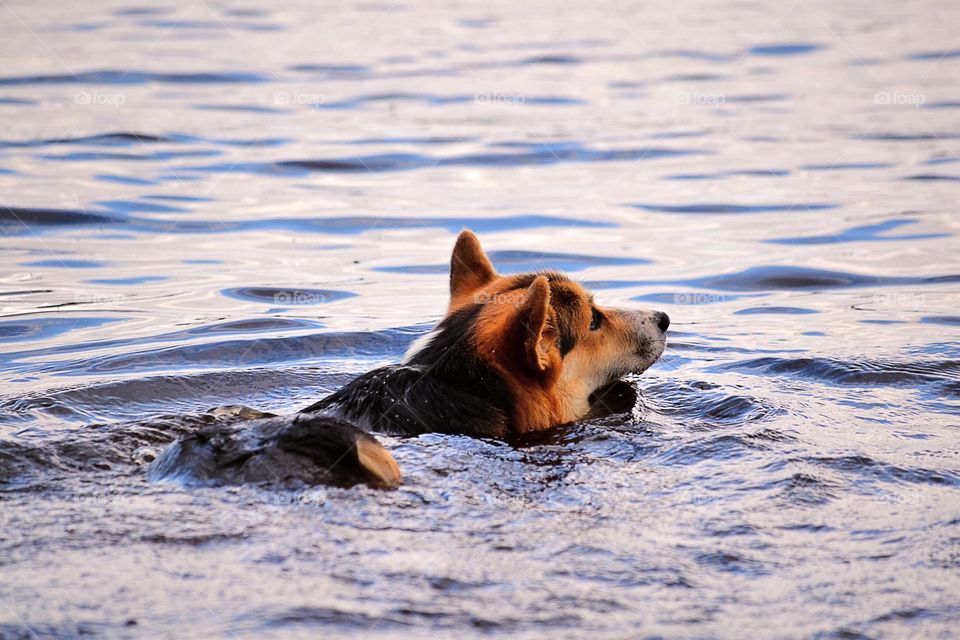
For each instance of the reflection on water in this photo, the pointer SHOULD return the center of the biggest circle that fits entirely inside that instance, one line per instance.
(215, 205)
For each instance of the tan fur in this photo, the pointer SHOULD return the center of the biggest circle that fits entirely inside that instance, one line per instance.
(515, 336)
(378, 461)
(470, 269)
(517, 333)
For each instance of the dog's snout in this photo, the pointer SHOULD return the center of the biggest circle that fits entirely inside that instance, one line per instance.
(663, 320)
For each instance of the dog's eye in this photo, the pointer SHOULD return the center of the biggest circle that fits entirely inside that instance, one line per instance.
(596, 320)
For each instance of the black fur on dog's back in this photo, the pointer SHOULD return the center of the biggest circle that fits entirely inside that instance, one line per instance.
(443, 388)
(278, 450)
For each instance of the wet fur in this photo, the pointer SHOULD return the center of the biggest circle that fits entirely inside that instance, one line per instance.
(514, 356)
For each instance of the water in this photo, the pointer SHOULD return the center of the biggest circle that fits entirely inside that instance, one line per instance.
(213, 204)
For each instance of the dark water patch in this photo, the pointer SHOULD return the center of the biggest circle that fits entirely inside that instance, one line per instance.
(950, 321)
(439, 101)
(805, 489)
(910, 613)
(752, 311)
(847, 166)
(133, 206)
(127, 281)
(695, 77)
(24, 292)
(627, 84)
(43, 328)
(667, 135)
(24, 218)
(286, 296)
(907, 137)
(722, 531)
(783, 49)
(932, 177)
(65, 264)
(337, 71)
(689, 342)
(162, 156)
(515, 261)
(786, 278)
(239, 108)
(942, 160)
(736, 209)
(866, 467)
(360, 224)
(247, 13)
(115, 139)
(38, 219)
(552, 100)
(170, 198)
(233, 327)
(418, 98)
(238, 353)
(16, 101)
(538, 155)
(756, 97)
(131, 77)
(120, 138)
(477, 23)
(934, 55)
(729, 562)
(141, 11)
(553, 59)
(718, 175)
(694, 450)
(870, 232)
(106, 177)
(182, 24)
(427, 140)
(329, 618)
(943, 104)
(693, 54)
(863, 372)
(707, 404)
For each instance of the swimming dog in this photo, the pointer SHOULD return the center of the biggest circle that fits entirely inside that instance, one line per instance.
(514, 354)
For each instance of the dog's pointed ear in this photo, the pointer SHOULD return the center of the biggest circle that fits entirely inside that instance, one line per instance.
(470, 268)
(539, 336)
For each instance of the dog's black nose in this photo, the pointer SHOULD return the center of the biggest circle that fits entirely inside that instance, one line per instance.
(663, 320)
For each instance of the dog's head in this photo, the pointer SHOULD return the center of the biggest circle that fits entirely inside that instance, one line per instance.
(546, 336)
